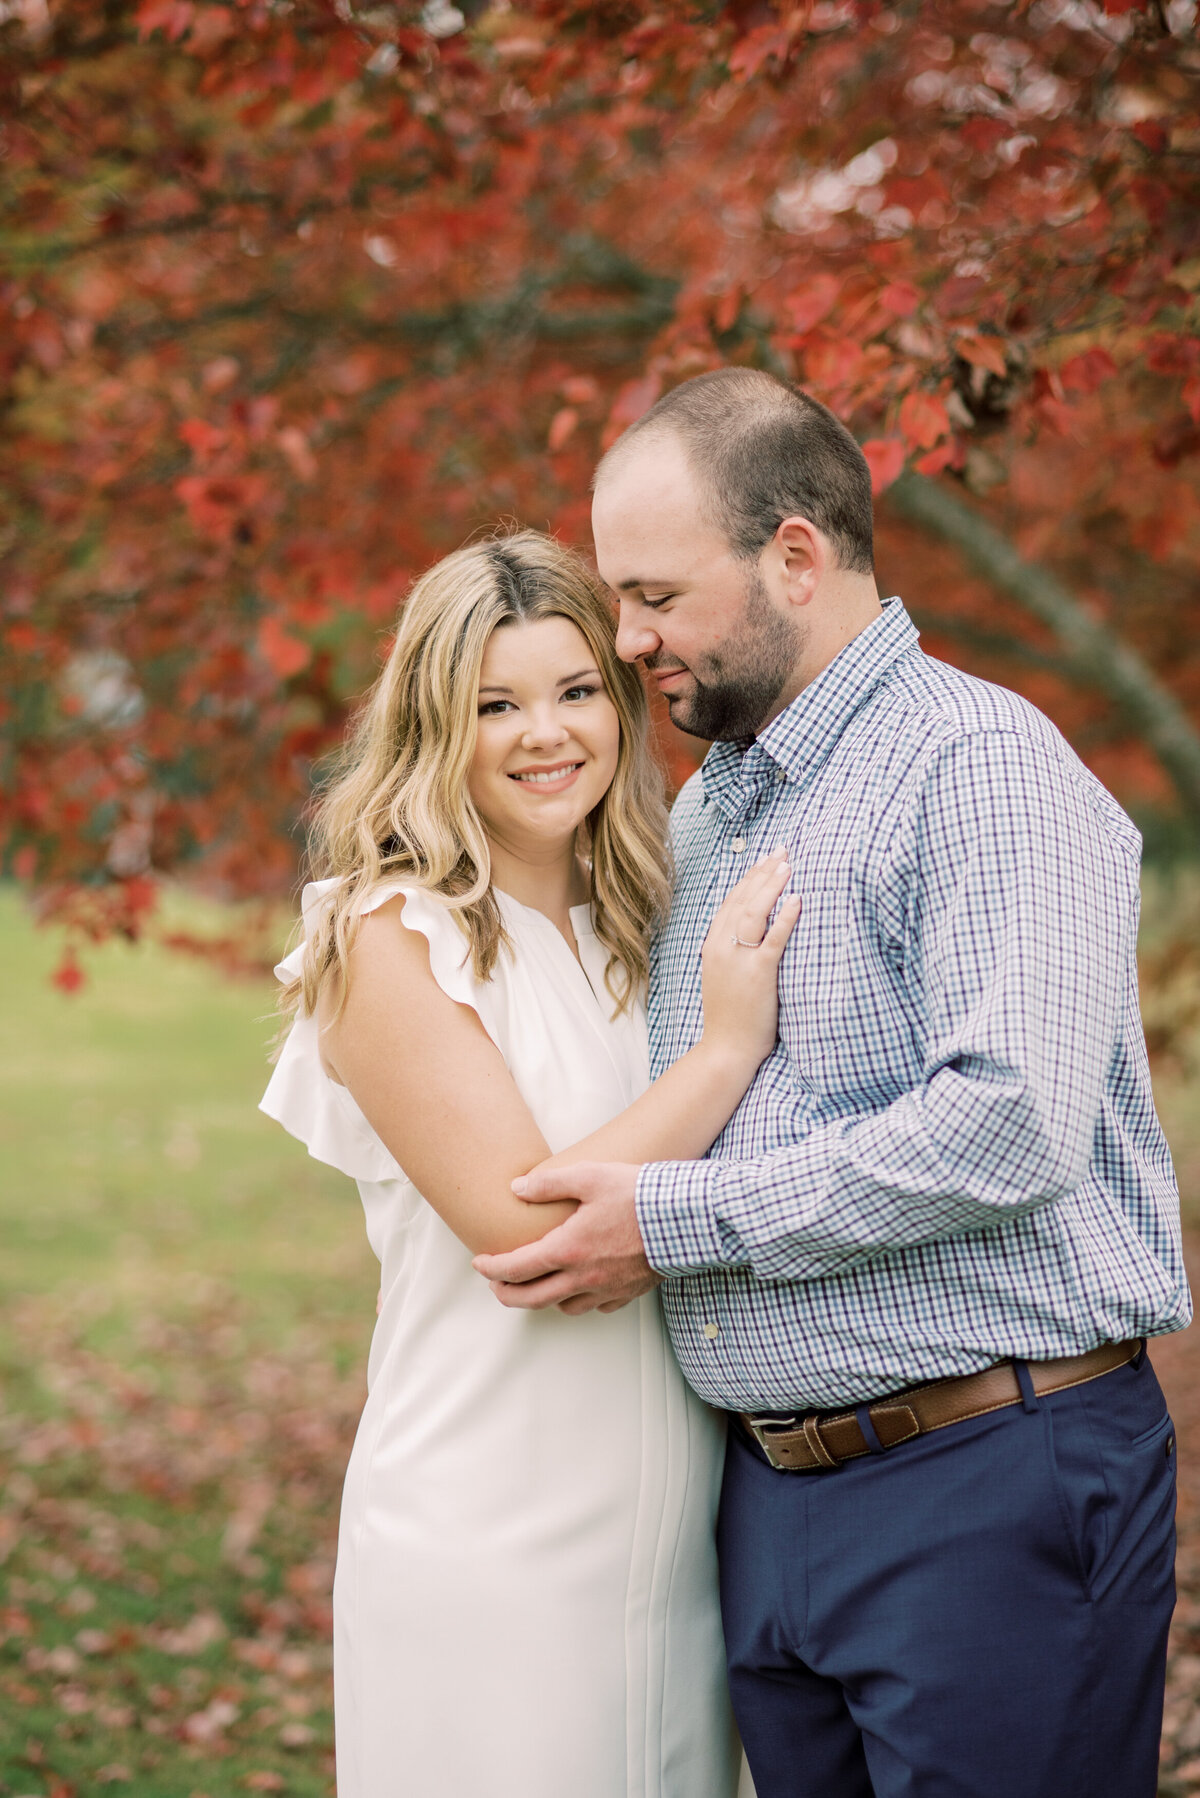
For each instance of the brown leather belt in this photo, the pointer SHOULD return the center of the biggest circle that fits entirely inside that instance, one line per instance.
(820, 1442)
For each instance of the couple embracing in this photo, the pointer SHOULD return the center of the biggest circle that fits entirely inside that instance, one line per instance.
(793, 1348)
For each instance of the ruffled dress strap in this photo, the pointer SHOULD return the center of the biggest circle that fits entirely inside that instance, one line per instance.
(301, 1096)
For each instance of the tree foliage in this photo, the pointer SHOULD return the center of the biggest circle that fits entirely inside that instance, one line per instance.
(296, 295)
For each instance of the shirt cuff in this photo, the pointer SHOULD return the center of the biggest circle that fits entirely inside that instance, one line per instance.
(676, 1213)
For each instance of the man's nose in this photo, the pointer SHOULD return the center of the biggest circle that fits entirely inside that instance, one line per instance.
(636, 636)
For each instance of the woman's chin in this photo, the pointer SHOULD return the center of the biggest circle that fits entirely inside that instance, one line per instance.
(551, 831)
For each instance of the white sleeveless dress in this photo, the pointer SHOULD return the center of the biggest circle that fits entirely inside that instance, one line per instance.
(525, 1603)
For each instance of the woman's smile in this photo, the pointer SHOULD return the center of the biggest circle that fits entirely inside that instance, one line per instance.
(548, 780)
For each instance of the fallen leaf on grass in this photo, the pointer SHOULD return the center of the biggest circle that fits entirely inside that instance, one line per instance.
(256, 1653)
(197, 1634)
(210, 1723)
(116, 1716)
(254, 1500)
(265, 1782)
(61, 1660)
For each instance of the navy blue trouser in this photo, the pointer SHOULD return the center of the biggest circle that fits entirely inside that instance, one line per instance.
(979, 1613)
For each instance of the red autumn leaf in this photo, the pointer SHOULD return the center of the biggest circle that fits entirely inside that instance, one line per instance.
(1057, 414)
(982, 352)
(922, 419)
(68, 976)
(900, 298)
(286, 654)
(562, 425)
(140, 894)
(726, 310)
(763, 45)
(1086, 372)
(935, 460)
(201, 437)
(812, 301)
(218, 505)
(1179, 437)
(984, 134)
(831, 362)
(885, 459)
(22, 637)
(171, 17)
(1150, 133)
(635, 398)
(298, 450)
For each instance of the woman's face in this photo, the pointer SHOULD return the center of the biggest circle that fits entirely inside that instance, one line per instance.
(548, 736)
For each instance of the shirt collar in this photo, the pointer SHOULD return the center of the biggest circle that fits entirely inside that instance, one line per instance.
(799, 739)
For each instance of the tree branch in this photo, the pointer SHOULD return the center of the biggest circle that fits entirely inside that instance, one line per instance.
(1093, 652)
(469, 323)
(993, 643)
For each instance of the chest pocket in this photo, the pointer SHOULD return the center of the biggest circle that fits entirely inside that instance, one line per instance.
(813, 983)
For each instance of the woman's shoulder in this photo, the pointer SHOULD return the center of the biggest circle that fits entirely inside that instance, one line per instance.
(414, 911)
(302, 1095)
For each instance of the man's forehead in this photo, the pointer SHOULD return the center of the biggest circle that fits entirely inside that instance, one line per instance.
(654, 462)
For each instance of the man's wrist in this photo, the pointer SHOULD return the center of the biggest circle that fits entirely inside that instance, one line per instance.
(676, 1214)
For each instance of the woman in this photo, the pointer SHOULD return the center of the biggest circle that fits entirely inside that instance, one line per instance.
(525, 1601)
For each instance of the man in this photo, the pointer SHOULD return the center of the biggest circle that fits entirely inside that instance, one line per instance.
(919, 1263)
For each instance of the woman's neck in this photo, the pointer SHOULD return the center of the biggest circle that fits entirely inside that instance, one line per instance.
(551, 885)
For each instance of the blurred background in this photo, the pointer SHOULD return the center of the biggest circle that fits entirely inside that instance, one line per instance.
(296, 296)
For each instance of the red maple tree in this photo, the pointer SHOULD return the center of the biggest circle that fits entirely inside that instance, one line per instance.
(297, 296)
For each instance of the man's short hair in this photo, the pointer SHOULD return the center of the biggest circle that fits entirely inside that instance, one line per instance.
(764, 451)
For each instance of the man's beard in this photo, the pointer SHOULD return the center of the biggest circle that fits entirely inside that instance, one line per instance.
(737, 686)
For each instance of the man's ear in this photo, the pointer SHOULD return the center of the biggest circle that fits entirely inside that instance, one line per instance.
(804, 552)
(800, 556)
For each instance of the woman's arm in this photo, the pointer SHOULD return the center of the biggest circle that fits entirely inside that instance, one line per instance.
(437, 1092)
(691, 1103)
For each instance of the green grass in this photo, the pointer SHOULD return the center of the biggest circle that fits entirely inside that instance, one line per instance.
(185, 1305)
(135, 1164)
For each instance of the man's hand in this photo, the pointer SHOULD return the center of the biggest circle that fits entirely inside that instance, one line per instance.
(593, 1262)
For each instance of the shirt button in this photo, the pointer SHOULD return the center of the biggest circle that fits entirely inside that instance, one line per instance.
(781, 773)
(712, 1331)
(737, 845)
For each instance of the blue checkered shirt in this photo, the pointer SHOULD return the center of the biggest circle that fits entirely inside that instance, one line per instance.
(952, 1155)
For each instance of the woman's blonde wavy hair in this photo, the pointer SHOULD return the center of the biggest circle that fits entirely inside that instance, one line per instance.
(397, 807)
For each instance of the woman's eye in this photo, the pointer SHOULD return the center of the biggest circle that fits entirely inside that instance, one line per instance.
(583, 692)
(494, 708)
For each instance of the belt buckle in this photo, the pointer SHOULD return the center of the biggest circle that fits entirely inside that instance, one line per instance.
(758, 1430)
(761, 1429)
